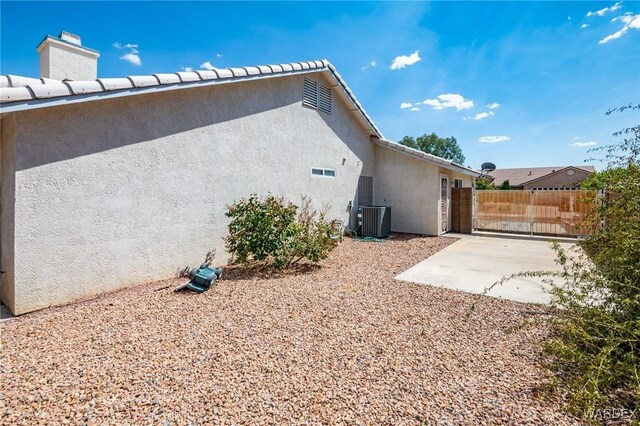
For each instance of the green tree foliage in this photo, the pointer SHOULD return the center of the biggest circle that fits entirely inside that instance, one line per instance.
(596, 181)
(595, 348)
(505, 185)
(433, 144)
(484, 185)
(277, 233)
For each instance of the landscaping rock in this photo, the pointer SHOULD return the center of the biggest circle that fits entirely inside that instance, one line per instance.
(342, 343)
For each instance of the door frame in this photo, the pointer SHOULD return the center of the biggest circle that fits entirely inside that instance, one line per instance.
(444, 176)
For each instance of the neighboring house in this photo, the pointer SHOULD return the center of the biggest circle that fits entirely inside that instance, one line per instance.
(115, 182)
(542, 178)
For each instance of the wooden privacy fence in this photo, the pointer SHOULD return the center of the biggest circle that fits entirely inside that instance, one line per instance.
(536, 212)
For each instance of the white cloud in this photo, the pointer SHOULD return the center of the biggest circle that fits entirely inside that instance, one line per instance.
(207, 66)
(371, 64)
(187, 69)
(133, 56)
(449, 100)
(576, 138)
(584, 25)
(606, 10)
(629, 21)
(406, 105)
(415, 109)
(218, 55)
(482, 115)
(493, 105)
(583, 144)
(404, 60)
(493, 139)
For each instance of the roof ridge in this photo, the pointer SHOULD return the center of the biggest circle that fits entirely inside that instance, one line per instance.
(49, 93)
(6, 80)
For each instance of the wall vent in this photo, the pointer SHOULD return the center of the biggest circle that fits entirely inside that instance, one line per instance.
(310, 93)
(365, 191)
(324, 99)
(317, 96)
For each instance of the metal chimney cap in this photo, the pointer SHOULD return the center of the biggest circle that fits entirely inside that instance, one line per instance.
(71, 38)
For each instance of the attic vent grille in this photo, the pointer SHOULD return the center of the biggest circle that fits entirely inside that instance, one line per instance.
(310, 93)
(316, 96)
(324, 99)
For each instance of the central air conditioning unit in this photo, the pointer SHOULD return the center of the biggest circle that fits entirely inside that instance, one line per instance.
(374, 221)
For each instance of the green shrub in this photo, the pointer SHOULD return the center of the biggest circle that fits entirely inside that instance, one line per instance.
(595, 349)
(277, 233)
(484, 185)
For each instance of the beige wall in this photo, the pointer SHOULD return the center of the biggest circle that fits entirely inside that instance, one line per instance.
(412, 188)
(7, 182)
(59, 60)
(559, 179)
(120, 192)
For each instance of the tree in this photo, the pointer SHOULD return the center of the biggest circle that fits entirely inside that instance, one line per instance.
(433, 144)
(597, 181)
(484, 185)
(505, 185)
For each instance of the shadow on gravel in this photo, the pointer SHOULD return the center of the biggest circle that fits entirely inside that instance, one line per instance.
(243, 273)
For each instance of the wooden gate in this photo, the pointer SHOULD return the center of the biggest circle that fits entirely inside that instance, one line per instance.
(552, 212)
(462, 210)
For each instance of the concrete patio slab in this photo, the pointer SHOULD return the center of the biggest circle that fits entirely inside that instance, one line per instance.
(473, 263)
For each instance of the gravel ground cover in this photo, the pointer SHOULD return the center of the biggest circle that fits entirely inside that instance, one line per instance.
(342, 343)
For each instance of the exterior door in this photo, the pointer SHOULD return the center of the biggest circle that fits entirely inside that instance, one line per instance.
(444, 204)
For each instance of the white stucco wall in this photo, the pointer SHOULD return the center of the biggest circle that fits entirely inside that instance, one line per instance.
(409, 186)
(412, 188)
(59, 60)
(121, 192)
(7, 181)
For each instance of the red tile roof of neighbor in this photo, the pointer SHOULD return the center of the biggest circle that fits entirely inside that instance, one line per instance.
(520, 176)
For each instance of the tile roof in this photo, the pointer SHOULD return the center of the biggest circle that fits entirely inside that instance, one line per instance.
(430, 158)
(19, 93)
(520, 176)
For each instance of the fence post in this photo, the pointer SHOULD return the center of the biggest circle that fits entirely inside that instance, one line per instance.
(531, 214)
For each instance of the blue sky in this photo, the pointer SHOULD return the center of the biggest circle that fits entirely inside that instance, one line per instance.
(550, 70)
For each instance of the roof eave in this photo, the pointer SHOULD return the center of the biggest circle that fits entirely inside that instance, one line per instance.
(429, 158)
(326, 68)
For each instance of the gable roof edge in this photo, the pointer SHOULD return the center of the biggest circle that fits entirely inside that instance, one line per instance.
(554, 172)
(42, 94)
(429, 158)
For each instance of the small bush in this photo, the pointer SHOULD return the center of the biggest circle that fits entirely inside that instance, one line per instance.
(277, 233)
(484, 185)
(593, 351)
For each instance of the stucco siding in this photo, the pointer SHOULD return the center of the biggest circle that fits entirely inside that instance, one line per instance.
(59, 61)
(7, 182)
(410, 187)
(126, 191)
(559, 179)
